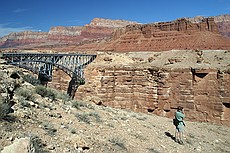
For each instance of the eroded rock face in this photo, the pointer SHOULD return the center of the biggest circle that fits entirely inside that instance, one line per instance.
(179, 34)
(110, 23)
(138, 85)
(121, 35)
(63, 36)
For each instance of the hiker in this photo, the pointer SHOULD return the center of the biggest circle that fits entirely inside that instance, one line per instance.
(178, 122)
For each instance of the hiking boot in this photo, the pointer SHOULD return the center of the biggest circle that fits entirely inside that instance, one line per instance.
(177, 140)
(181, 142)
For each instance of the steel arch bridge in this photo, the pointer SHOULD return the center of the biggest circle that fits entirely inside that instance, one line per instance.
(43, 64)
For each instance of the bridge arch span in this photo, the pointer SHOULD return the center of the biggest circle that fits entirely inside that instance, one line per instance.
(43, 65)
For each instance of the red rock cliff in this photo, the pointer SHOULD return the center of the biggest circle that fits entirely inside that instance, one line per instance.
(179, 34)
(185, 33)
(61, 36)
(159, 82)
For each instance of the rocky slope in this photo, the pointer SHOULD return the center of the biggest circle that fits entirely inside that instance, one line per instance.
(40, 124)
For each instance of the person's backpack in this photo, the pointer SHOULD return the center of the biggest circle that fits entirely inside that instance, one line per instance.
(175, 122)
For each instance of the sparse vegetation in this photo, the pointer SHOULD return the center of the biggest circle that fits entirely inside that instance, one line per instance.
(88, 117)
(49, 128)
(84, 117)
(79, 104)
(45, 92)
(5, 107)
(117, 142)
(27, 94)
(31, 79)
(153, 150)
(38, 145)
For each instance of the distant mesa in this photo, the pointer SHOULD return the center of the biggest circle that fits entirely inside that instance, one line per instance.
(121, 35)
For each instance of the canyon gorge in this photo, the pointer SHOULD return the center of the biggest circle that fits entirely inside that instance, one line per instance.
(151, 68)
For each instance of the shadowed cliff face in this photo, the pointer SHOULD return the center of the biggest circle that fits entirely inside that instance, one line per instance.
(120, 35)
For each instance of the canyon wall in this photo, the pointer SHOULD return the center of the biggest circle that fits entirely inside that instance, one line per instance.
(178, 34)
(204, 92)
(63, 36)
(123, 36)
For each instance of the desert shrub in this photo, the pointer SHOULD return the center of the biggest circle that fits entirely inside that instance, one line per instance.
(138, 136)
(81, 81)
(5, 107)
(75, 104)
(38, 145)
(51, 93)
(61, 95)
(45, 92)
(88, 117)
(49, 128)
(26, 93)
(153, 150)
(79, 104)
(118, 143)
(95, 116)
(23, 102)
(31, 79)
(84, 117)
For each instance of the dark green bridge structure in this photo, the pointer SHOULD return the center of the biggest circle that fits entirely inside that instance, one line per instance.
(43, 65)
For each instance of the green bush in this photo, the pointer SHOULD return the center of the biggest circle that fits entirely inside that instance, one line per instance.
(83, 117)
(78, 104)
(26, 93)
(31, 79)
(45, 92)
(88, 117)
(61, 95)
(5, 107)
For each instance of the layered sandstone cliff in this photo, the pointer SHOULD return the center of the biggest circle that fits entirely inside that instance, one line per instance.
(23, 38)
(63, 36)
(121, 35)
(160, 82)
(179, 34)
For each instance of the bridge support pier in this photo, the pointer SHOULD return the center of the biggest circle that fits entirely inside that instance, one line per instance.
(74, 83)
(72, 88)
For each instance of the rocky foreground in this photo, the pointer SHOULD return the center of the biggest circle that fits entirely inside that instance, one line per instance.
(56, 124)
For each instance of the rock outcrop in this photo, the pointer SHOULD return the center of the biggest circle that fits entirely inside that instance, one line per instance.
(110, 23)
(158, 83)
(10, 81)
(22, 145)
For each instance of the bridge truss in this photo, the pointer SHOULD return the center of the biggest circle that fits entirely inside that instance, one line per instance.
(43, 65)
